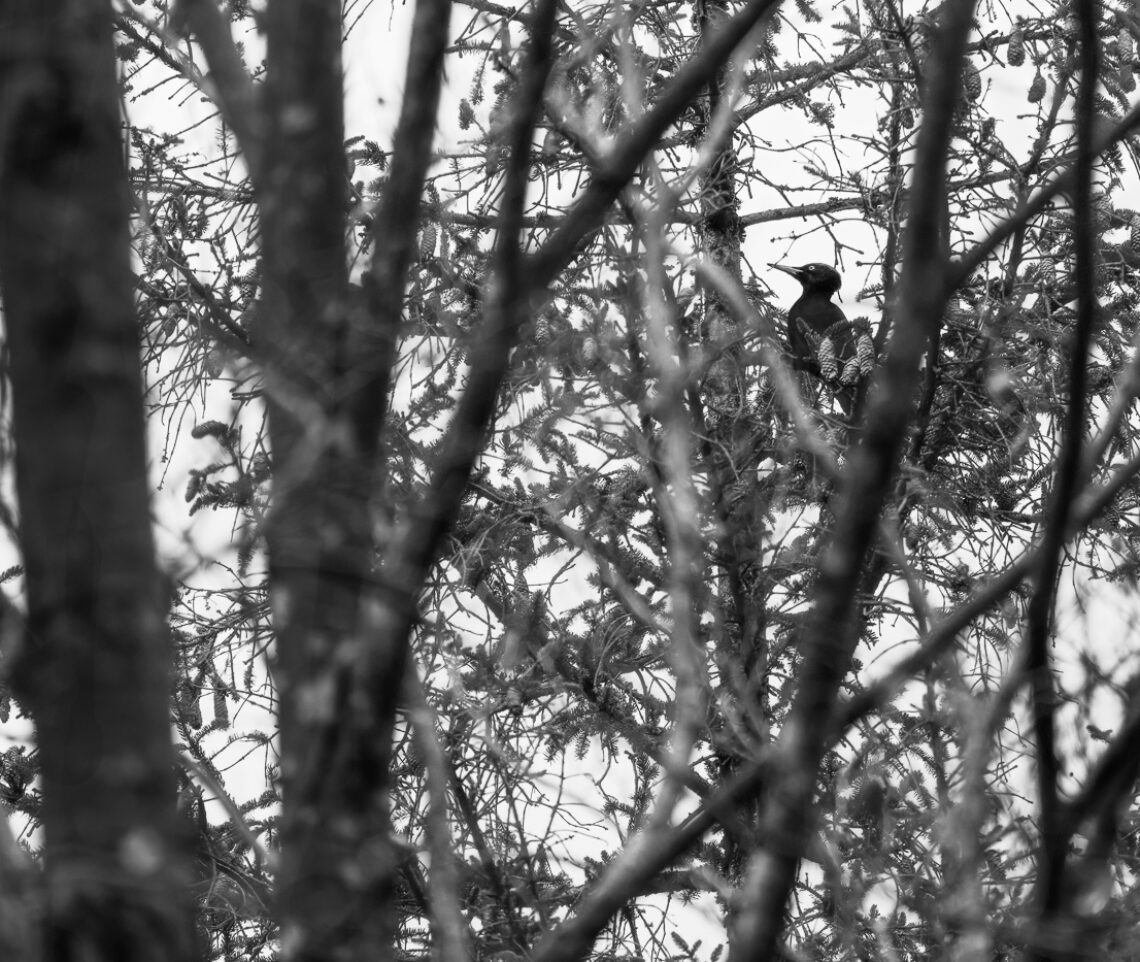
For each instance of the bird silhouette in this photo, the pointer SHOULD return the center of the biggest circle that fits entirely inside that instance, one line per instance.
(813, 314)
(820, 338)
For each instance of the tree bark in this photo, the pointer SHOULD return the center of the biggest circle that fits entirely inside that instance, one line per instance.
(335, 876)
(94, 669)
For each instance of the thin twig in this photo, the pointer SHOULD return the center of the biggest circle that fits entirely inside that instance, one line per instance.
(617, 169)
(235, 92)
(942, 635)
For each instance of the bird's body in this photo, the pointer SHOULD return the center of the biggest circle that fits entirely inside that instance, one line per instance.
(814, 314)
(815, 322)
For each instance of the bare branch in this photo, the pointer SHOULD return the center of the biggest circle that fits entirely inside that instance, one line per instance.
(631, 149)
(1062, 183)
(236, 97)
(830, 636)
(643, 858)
(1088, 506)
(1039, 618)
(408, 563)
(369, 351)
(206, 780)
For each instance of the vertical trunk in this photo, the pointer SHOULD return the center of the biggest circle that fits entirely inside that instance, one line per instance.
(334, 885)
(342, 632)
(720, 231)
(95, 669)
(736, 448)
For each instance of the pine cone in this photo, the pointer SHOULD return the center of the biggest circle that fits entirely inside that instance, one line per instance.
(1102, 274)
(492, 159)
(1125, 47)
(1015, 55)
(850, 372)
(542, 331)
(1037, 89)
(1062, 57)
(971, 80)
(427, 241)
(865, 354)
(590, 350)
(466, 114)
(1102, 213)
(551, 145)
(221, 709)
(215, 363)
(823, 113)
(1134, 233)
(828, 365)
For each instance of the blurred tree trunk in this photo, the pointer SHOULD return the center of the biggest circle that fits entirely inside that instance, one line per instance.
(327, 353)
(335, 878)
(94, 671)
(736, 438)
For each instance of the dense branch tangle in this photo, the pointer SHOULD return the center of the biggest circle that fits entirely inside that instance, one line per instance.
(644, 526)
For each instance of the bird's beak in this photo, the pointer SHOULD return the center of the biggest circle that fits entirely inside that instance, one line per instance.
(794, 271)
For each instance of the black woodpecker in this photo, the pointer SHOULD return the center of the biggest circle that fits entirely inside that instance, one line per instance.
(813, 318)
(814, 312)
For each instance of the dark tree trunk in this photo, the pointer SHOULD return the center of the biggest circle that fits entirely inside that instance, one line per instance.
(327, 350)
(335, 881)
(94, 671)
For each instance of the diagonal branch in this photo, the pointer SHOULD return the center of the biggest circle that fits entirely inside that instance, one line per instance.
(942, 635)
(370, 348)
(617, 169)
(1111, 778)
(406, 565)
(235, 92)
(1039, 617)
(643, 859)
(647, 854)
(1063, 183)
(830, 635)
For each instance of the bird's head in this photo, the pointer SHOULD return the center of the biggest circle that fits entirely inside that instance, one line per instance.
(814, 277)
